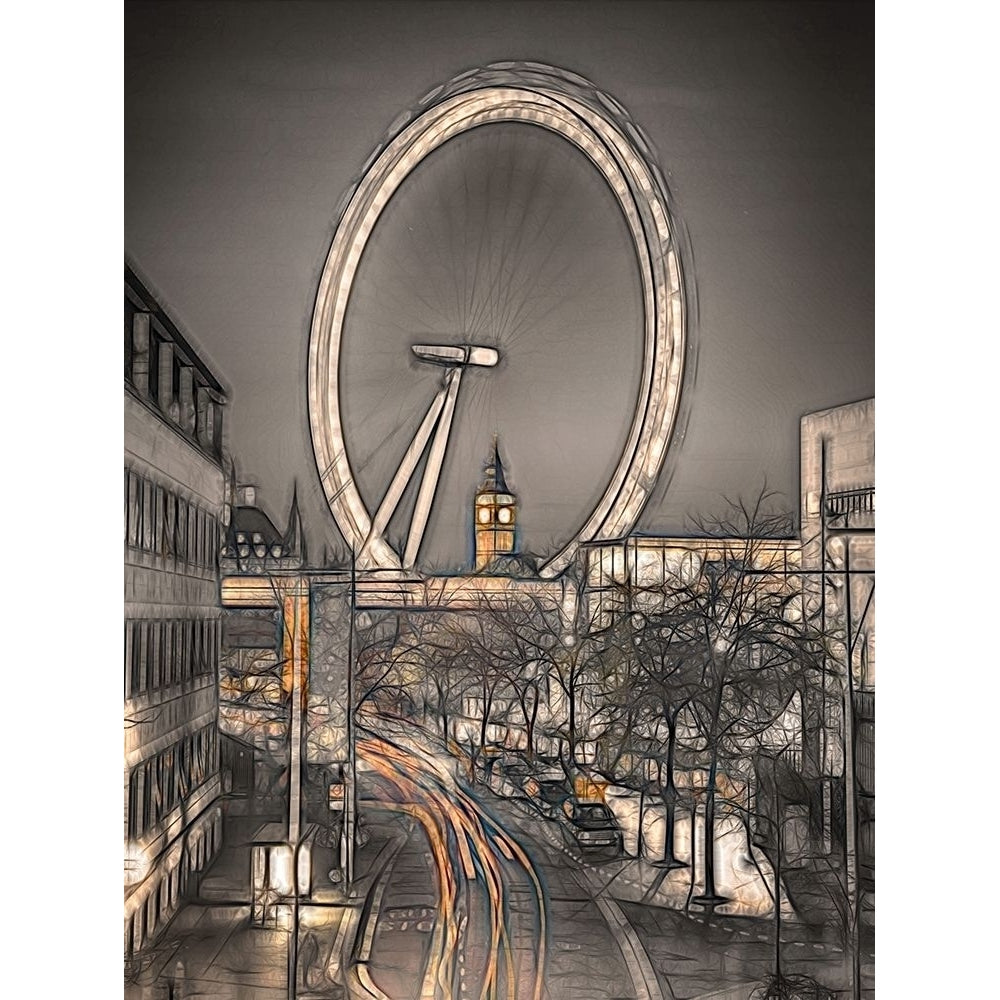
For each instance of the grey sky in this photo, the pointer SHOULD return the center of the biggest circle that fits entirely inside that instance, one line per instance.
(245, 124)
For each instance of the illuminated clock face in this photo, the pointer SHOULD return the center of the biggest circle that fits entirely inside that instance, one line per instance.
(484, 515)
(504, 515)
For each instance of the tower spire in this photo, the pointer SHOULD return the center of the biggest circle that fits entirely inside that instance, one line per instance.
(501, 479)
(294, 541)
(496, 479)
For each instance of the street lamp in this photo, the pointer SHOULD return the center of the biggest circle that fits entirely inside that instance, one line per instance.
(722, 645)
(137, 863)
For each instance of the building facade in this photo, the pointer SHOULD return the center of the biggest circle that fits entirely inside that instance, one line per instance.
(629, 575)
(174, 496)
(838, 555)
(253, 710)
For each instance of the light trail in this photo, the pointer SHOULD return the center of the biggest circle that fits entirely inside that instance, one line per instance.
(508, 847)
(398, 767)
(428, 792)
(441, 956)
(467, 830)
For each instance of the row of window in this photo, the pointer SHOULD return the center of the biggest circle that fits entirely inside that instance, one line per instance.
(160, 652)
(158, 784)
(162, 901)
(130, 311)
(160, 521)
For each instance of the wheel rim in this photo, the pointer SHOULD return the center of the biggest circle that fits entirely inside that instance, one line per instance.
(599, 128)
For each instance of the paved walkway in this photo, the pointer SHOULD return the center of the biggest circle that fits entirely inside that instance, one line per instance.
(697, 956)
(210, 949)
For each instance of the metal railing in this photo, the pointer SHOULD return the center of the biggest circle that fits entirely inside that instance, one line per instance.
(848, 502)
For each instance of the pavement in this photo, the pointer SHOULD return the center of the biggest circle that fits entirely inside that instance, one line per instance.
(211, 950)
(697, 955)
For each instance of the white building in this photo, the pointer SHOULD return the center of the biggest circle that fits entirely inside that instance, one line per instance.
(174, 494)
(838, 516)
(838, 557)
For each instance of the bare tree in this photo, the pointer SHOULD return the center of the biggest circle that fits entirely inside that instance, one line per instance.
(574, 664)
(409, 661)
(385, 675)
(471, 644)
(522, 634)
(741, 616)
(666, 677)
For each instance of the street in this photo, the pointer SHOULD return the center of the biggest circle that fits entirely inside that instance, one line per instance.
(513, 920)
(462, 894)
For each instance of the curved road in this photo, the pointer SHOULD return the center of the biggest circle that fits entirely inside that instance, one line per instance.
(478, 906)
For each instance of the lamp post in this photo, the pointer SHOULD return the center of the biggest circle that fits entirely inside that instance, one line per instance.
(568, 653)
(296, 608)
(842, 578)
(347, 843)
(722, 646)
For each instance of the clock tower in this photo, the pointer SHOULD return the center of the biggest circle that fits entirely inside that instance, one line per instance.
(495, 513)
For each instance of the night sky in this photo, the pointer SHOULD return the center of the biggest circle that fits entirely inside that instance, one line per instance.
(246, 123)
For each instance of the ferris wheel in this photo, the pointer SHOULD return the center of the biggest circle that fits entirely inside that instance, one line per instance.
(509, 121)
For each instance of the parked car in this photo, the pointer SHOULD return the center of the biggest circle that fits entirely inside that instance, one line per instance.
(590, 827)
(508, 774)
(548, 790)
(517, 773)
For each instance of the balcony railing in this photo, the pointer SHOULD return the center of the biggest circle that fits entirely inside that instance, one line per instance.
(848, 503)
(864, 705)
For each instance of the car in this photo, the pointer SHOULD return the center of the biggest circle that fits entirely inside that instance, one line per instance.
(515, 774)
(506, 775)
(590, 827)
(547, 791)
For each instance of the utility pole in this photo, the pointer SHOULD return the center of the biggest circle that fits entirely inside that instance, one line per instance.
(851, 774)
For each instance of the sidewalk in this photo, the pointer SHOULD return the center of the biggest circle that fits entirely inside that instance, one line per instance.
(210, 949)
(719, 956)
